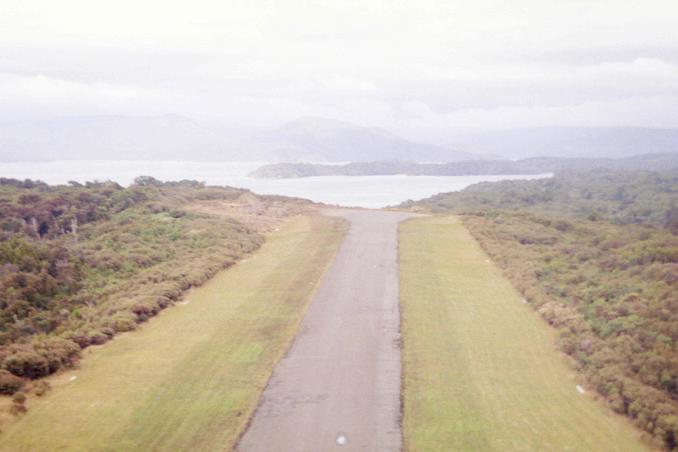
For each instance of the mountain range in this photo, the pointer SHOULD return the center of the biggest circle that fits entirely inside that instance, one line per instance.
(600, 142)
(308, 139)
(172, 137)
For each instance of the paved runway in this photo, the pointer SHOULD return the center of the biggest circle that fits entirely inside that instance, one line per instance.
(338, 387)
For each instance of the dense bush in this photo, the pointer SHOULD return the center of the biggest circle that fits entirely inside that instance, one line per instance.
(79, 263)
(630, 197)
(26, 363)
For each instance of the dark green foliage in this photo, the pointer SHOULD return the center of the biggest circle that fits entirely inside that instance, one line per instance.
(609, 286)
(79, 263)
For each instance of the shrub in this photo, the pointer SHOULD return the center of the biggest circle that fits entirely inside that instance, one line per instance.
(59, 352)
(108, 331)
(42, 387)
(98, 338)
(81, 339)
(19, 397)
(26, 364)
(145, 309)
(9, 383)
(123, 322)
(18, 403)
(163, 302)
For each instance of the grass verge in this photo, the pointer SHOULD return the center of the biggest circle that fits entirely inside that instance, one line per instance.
(190, 379)
(480, 369)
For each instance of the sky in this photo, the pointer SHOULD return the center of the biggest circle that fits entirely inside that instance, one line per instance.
(423, 68)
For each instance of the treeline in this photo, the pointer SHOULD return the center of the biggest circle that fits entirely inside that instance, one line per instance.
(633, 197)
(80, 263)
(597, 256)
(536, 165)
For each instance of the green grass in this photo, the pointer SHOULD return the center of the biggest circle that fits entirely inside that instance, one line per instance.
(481, 371)
(190, 378)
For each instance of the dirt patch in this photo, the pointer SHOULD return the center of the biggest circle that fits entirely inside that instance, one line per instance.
(264, 213)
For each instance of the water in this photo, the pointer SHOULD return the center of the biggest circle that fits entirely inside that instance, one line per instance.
(360, 191)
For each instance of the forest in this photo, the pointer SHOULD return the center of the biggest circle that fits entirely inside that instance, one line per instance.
(596, 254)
(81, 263)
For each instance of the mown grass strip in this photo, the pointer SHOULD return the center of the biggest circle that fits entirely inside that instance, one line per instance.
(189, 379)
(480, 371)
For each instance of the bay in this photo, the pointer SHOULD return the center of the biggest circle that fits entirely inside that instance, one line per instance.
(358, 191)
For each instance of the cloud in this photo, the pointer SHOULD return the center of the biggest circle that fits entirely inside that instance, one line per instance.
(441, 64)
(346, 83)
(652, 111)
(22, 95)
(39, 88)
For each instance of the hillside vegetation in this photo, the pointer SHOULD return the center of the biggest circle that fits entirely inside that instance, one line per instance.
(80, 263)
(538, 165)
(597, 255)
(634, 197)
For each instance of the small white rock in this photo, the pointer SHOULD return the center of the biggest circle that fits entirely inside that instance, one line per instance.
(341, 440)
(580, 390)
(73, 378)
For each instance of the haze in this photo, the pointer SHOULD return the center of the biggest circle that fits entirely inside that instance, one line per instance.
(428, 71)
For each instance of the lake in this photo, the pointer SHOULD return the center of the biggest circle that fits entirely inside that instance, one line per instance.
(359, 191)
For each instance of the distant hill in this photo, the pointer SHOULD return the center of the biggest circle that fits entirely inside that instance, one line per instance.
(611, 142)
(538, 165)
(308, 139)
(167, 137)
(319, 139)
(173, 137)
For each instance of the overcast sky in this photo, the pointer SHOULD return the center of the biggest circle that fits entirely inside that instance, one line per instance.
(421, 68)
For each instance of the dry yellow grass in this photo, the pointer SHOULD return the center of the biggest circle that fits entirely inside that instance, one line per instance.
(480, 368)
(190, 378)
